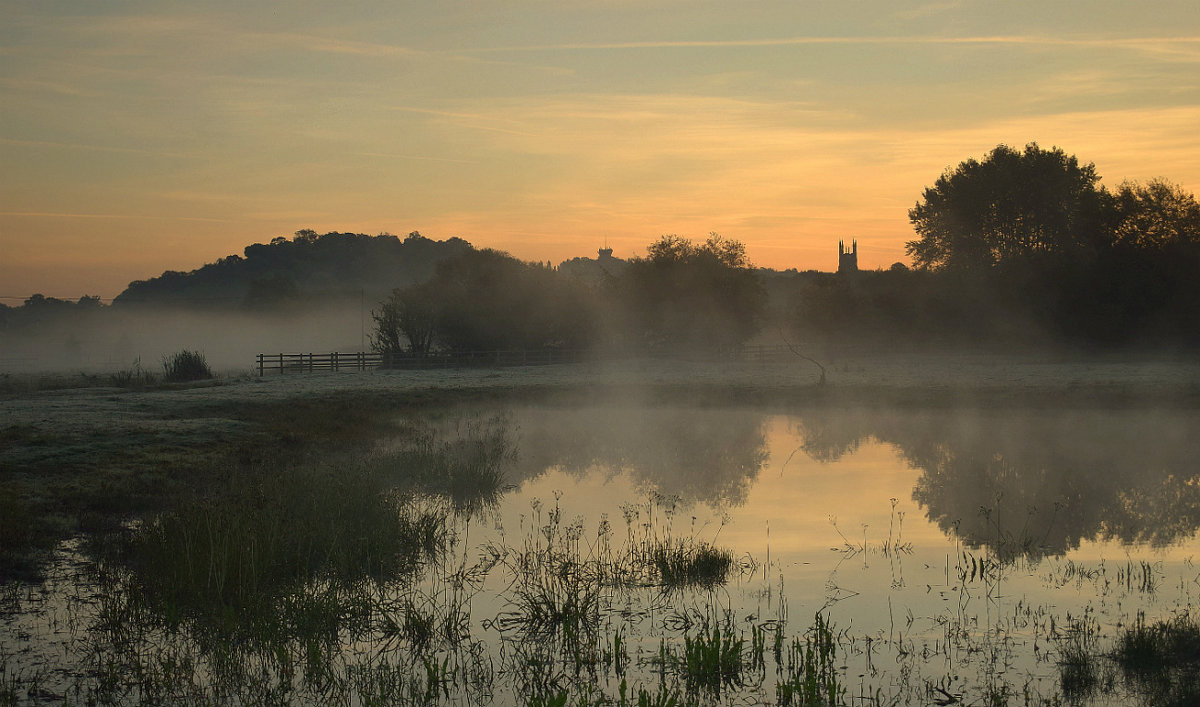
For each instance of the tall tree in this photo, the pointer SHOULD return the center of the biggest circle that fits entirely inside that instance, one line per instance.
(1009, 207)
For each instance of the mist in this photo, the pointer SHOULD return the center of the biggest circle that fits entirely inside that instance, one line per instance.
(117, 337)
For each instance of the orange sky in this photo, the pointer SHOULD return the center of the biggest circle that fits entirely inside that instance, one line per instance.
(138, 137)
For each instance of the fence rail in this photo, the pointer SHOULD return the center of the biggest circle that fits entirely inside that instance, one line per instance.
(366, 360)
(370, 360)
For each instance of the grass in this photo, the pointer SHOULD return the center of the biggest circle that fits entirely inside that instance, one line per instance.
(1161, 661)
(809, 674)
(274, 552)
(712, 659)
(186, 366)
(136, 376)
(692, 564)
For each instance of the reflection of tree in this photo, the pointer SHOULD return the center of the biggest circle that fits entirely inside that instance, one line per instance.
(709, 455)
(1040, 482)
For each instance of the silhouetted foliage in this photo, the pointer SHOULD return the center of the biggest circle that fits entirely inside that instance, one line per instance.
(1011, 207)
(185, 366)
(301, 270)
(406, 321)
(486, 300)
(687, 296)
(38, 311)
(1026, 247)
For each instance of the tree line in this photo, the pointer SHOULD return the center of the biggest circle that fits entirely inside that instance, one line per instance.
(680, 296)
(1022, 247)
(1027, 247)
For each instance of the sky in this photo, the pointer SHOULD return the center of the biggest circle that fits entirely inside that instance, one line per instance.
(139, 137)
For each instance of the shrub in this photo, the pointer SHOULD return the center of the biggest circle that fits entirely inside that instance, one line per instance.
(186, 366)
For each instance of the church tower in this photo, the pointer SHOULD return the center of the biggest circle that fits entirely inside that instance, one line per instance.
(847, 259)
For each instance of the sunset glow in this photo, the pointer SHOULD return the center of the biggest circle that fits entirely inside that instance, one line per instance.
(138, 137)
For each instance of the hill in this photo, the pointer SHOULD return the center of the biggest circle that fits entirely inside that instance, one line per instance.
(306, 266)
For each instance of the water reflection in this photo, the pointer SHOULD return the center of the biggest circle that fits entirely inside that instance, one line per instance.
(1023, 483)
(1035, 483)
(706, 455)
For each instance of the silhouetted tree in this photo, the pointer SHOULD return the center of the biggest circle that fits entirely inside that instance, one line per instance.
(483, 300)
(688, 296)
(406, 321)
(1010, 207)
(1154, 216)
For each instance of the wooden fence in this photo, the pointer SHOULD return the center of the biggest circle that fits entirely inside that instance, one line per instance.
(370, 360)
(365, 360)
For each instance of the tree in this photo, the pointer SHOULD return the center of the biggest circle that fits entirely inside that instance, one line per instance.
(1010, 207)
(689, 296)
(409, 317)
(1154, 216)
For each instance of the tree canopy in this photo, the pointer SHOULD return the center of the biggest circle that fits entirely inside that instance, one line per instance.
(695, 296)
(1009, 207)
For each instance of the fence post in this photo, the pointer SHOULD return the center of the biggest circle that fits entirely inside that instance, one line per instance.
(260, 365)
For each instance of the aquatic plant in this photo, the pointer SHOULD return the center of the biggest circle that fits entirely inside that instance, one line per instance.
(713, 659)
(275, 551)
(690, 564)
(809, 675)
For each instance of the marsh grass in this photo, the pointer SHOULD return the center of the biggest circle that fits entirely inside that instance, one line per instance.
(1162, 660)
(809, 674)
(136, 376)
(692, 564)
(186, 366)
(279, 553)
(713, 658)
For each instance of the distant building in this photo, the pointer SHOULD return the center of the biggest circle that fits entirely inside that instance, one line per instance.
(604, 266)
(847, 259)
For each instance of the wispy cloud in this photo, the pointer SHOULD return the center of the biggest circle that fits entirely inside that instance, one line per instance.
(419, 158)
(93, 148)
(475, 120)
(1140, 43)
(131, 217)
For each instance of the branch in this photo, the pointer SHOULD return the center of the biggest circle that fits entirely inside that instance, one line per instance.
(806, 358)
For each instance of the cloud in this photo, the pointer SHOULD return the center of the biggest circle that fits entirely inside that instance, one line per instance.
(1186, 45)
(94, 148)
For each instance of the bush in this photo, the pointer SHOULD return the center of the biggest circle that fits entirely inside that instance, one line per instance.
(186, 366)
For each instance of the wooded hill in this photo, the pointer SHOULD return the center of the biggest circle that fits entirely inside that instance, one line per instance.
(289, 271)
